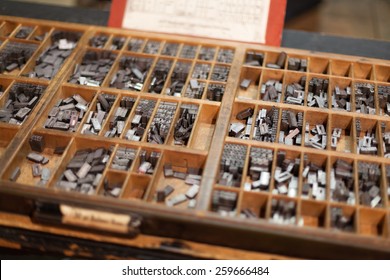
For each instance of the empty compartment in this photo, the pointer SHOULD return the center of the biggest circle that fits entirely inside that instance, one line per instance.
(53, 54)
(294, 88)
(314, 177)
(291, 124)
(203, 131)
(37, 159)
(343, 218)
(364, 94)
(271, 85)
(372, 222)
(18, 104)
(382, 73)
(112, 184)
(15, 54)
(340, 91)
(93, 68)
(178, 180)
(275, 60)
(341, 134)
(313, 214)
(6, 136)
(242, 120)
(67, 109)
(283, 211)
(316, 130)
(286, 175)
(225, 55)
(232, 165)
(249, 83)
(259, 174)
(297, 63)
(342, 187)
(136, 187)
(369, 185)
(367, 139)
(253, 206)
(135, 45)
(254, 58)
(363, 71)
(83, 168)
(6, 28)
(265, 122)
(341, 68)
(170, 49)
(318, 65)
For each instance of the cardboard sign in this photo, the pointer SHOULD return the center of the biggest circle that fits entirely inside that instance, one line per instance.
(252, 21)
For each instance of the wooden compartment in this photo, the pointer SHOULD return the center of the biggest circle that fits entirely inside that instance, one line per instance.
(182, 165)
(363, 71)
(345, 218)
(315, 121)
(319, 65)
(171, 48)
(301, 62)
(341, 68)
(271, 78)
(382, 73)
(113, 184)
(252, 91)
(153, 46)
(136, 187)
(314, 177)
(340, 91)
(294, 79)
(313, 213)
(7, 28)
(27, 176)
(23, 32)
(203, 131)
(272, 58)
(136, 44)
(372, 222)
(341, 141)
(238, 107)
(367, 136)
(99, 40)
(40, 32)
(254, 205)
(63, 93)
(342, 187)
(287, 187)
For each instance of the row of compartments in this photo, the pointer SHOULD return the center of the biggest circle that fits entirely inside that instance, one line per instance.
(9, 29)
(311, 128)
(309, 176)
(39, 59)
(314, 90)
(141, 177)
(170, 48)
(287, 211)
(131, 117)
(139, 72)
(317, 65)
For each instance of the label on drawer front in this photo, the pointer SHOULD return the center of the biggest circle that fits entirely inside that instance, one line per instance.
(254, 21)
(95, 219)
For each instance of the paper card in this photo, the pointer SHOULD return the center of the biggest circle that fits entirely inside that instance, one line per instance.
(252, 21)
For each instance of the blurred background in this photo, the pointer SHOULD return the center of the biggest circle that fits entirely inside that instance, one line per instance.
(353, 18)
